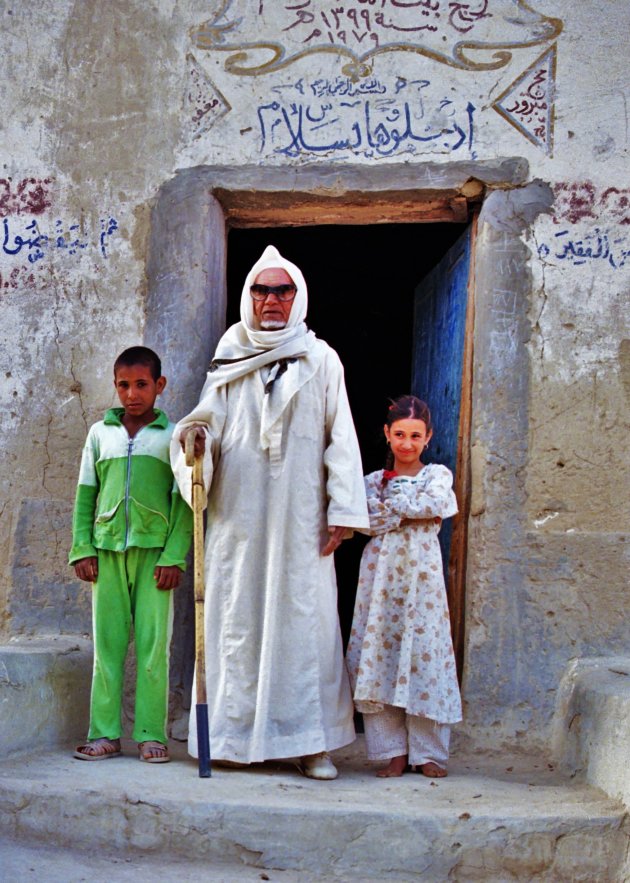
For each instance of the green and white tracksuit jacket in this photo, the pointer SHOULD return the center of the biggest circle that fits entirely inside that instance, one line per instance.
(127, 496)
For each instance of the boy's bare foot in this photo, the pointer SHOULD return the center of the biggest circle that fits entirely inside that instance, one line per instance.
(153, 752)
(395, 768)
(98, 749)
(432, 770)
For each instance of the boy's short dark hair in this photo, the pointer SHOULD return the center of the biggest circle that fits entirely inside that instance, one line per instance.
(140, 355)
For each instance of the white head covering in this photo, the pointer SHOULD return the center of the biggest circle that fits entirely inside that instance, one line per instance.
(245, 347)
(291, 351)
(272, 259)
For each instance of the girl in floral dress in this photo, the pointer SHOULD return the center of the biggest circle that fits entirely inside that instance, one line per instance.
(400, 653)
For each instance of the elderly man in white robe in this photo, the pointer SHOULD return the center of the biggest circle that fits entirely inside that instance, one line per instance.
(283, 468)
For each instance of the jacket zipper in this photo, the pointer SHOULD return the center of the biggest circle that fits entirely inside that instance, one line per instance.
(127, 486)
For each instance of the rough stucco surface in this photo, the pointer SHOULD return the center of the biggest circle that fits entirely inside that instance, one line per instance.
(45, 598)
(590, 727)
(44, 692)
(116, 126)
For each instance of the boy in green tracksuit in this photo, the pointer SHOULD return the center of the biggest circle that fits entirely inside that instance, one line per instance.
(130, 534)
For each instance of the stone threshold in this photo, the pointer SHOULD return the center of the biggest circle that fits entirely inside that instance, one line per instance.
(495, 818)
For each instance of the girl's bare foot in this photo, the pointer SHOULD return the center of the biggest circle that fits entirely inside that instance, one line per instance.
(395, 768)
(432, 770)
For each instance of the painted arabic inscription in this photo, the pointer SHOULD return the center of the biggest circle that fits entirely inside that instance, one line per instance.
(372, 118)
(527, 103)
(31, 239)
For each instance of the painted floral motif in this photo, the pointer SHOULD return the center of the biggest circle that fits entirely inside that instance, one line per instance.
(400, 651)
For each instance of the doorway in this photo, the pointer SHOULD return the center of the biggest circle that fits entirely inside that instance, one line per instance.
(186, 305)
(364, 282)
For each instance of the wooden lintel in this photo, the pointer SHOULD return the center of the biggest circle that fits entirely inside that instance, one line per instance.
(300, 209)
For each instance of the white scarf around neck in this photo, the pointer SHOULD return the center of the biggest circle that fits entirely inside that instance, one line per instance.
(245, 348)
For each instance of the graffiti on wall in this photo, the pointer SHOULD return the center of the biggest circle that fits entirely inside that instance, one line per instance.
(29, 237)
(29, 196)
(578, 201)
(371, 118)
(594, 226)
(594, 246)
(527, 103)
(205, 104)
(262, 37)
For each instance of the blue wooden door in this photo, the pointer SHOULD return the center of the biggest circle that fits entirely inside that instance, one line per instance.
(439, 353)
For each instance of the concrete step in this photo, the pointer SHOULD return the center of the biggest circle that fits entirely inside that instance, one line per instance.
(495, 818)
(56, 864)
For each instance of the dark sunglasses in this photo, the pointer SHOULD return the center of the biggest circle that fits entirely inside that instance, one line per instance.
(282, 292)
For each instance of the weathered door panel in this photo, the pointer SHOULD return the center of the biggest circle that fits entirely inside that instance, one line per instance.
(441, 376)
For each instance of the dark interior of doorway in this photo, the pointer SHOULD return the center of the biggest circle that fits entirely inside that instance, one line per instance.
(361, 281)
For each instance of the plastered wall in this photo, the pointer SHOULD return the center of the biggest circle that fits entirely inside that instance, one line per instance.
(120, 118)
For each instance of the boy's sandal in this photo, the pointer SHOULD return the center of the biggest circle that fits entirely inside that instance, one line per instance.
(153, 752)
(98, 749)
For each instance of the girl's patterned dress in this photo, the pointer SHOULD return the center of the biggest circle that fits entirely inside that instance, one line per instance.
(400, 650)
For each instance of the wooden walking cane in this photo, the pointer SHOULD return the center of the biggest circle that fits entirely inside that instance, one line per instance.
(203, 732)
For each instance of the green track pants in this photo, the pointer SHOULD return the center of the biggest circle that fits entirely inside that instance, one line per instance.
(126, 593)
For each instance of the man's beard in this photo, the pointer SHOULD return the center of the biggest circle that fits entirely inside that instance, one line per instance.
(272, 324)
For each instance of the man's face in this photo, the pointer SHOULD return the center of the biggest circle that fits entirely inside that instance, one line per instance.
(271, 312)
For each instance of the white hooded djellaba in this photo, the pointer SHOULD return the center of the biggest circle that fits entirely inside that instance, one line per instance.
(282, 464)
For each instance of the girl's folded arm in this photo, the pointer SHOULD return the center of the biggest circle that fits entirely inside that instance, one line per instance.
(382, 518)
(435, 499)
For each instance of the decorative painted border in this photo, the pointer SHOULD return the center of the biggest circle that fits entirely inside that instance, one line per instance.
(212, 36)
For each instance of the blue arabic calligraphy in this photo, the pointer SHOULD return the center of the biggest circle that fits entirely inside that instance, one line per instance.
(36, 244)
(107, 228)
(594, 246)
(373, 124)
(62, 242)
(344, 86)
(14, 243)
